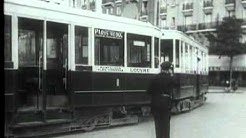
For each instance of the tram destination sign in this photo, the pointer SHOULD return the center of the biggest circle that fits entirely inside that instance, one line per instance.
(108, 33)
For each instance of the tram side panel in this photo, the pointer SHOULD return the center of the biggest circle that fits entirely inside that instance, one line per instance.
(108, 89)
(10, 86)
(204, 84)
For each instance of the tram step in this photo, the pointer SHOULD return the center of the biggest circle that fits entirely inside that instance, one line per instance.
(130, 119)
(34, 115)
(39, 123)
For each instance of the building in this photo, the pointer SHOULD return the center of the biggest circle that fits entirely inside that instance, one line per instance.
(194, 17)
(219, 70)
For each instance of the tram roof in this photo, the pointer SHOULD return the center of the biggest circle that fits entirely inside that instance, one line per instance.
(80, 12)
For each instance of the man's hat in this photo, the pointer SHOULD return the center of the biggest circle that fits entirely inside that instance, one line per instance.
(166, 65)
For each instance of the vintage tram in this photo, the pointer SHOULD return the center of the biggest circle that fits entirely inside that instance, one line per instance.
(67, 69)
(190, 60)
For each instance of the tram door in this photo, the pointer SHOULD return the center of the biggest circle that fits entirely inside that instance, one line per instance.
(57, 64)
(30, 51)
(39, 86)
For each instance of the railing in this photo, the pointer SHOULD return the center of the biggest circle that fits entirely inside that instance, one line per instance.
(207, 3)
(187, 6)
(105, 1)
(212, 25)
(200, 26)
(229, 1)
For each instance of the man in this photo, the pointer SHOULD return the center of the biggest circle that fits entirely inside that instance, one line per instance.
(161, 88)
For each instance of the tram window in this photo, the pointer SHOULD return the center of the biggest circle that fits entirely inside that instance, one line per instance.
(156, 53)
(57, 43)
(186, 56)
(81, 45)
(190, 58)
(167, 50)
(177, 53)
(109, 48)
(138, 50)
(30, 37)
(7, 38)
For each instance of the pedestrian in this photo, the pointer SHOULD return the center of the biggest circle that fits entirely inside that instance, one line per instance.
(160, 89)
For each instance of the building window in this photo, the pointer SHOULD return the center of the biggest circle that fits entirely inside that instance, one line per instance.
(173, 3)
(109, 47)
(163, 23)
(7, 38)
(81, 45)
(138, 50)
(118, 10)
(109, 10)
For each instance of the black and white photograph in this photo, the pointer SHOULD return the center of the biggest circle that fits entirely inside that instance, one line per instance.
(124, 68)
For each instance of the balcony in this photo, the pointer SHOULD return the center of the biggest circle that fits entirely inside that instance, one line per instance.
(107, 3)
(119, 2)
(244, 3)
(188, 9)
(201, 27)
(230, 5)
(163, 13)
(208, 6)
(204, 26)
(58, 2)
(131, 1)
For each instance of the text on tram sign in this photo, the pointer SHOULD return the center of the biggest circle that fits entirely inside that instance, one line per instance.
(108, 33)
(139, 70)
(109, 69)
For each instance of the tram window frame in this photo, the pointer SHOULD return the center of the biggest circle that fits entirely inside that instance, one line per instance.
(30, 34)
(138, 50)
(177, 58)
(7, 40)
(167, 49)
(81, 40)
(157, 59)
(105, 45)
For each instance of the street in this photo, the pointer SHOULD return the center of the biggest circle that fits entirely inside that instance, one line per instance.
(222, 116)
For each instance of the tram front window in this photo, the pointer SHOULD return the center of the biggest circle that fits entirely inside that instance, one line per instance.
(109, 47)
(167, 50)
(138, 50)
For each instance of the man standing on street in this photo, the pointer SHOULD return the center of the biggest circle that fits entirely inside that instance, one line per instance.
(160, 89)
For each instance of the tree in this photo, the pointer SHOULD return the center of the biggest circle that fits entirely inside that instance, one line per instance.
(226, 41)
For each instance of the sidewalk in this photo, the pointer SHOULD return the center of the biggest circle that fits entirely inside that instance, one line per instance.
(218, 89)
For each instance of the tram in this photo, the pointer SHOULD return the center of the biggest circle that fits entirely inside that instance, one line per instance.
(67, 69)
(190, 60)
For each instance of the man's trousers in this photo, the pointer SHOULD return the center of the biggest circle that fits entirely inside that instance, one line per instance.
(162, 123)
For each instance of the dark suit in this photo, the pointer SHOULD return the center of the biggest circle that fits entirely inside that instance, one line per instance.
(161, 88)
